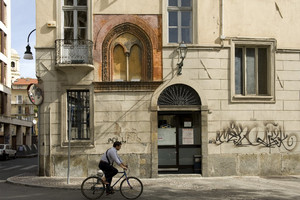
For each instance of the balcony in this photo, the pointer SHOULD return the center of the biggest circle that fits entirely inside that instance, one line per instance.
(70, 54)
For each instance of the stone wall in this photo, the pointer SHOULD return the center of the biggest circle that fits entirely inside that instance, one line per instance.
(243, 138)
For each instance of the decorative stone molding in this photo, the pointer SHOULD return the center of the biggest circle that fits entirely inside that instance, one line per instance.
(126, 86)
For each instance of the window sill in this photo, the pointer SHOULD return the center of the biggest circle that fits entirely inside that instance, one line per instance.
(78, 143)
(252, 99)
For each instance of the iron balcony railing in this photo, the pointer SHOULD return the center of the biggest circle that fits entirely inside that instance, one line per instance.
(73, 51)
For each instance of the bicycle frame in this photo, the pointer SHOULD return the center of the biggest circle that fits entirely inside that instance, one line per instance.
(124, 174)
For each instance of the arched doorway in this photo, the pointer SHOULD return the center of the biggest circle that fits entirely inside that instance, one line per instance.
(179, 130)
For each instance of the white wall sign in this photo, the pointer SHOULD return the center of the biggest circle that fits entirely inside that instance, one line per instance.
(187, 124)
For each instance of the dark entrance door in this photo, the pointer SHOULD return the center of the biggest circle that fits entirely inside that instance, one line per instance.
(179, 142)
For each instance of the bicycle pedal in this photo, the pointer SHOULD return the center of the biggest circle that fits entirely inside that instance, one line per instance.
(111, 192)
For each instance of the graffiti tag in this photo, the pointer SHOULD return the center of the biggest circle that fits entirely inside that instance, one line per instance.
(130, 136)
(114, 139)
(272, 136)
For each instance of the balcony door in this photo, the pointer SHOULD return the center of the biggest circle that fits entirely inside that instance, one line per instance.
(73, 46)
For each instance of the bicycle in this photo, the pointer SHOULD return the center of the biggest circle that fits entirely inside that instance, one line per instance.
(93, 187)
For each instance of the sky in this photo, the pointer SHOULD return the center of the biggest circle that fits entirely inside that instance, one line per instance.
(22, 23)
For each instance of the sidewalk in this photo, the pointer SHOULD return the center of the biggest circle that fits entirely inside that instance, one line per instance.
(190, 186)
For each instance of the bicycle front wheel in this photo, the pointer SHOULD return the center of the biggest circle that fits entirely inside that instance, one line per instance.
(92, 187)
(131, 188)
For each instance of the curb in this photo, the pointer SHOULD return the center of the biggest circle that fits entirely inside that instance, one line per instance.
(27, 156)
(20, 180)
(41, 186)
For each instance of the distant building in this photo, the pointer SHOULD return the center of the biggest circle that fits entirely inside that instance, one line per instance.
(15, 65)
(21, 107)
(12, 130)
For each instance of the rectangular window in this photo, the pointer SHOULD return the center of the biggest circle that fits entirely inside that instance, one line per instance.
(78, 102)
(27, 110)
(251, 76)
(2, 96)
(253, 71)
(19, 99)
(2, 41)
(180, 21)
(1, 10)
(4, 38)
(19, 109)
(75, 19)
(4, 13)
(3, 72)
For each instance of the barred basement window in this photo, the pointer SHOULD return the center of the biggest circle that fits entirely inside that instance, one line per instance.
(79, 114)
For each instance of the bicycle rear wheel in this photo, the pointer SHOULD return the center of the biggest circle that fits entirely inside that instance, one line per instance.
(131, 188)
(92, 187)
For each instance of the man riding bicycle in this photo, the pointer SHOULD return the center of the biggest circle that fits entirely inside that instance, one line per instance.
(106, 165)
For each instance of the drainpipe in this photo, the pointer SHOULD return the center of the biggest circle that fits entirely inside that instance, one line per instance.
(222, 36)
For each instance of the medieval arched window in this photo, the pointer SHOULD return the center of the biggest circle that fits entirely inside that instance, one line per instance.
(127, 58)
(127, 54)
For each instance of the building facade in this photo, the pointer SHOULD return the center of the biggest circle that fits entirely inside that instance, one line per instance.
(7, 123)
(110, 70)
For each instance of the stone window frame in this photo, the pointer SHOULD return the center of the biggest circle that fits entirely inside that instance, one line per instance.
(268, 43)
(64, 117)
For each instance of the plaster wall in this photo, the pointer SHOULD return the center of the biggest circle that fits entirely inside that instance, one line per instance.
(242, 18)
(45, 11)
(127, 7)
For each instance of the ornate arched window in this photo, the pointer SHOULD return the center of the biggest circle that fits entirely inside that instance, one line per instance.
(127, 58)
(179, 94)
(127, 54)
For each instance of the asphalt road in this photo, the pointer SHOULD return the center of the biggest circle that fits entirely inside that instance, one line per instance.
(19, 166)
(14, 167)
(163, 188)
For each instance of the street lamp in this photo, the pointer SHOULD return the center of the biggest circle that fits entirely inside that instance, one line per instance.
(28, 53)
(182, 51)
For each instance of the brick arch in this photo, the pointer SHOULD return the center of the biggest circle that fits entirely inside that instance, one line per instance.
(150, 26)
(101, 31)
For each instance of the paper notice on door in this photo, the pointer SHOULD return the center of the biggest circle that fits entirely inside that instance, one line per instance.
(187, 136)
(166, 136)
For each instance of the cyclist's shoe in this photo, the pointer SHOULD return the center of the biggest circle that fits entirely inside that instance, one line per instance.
(110, 192)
